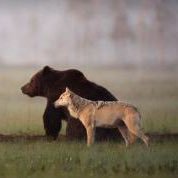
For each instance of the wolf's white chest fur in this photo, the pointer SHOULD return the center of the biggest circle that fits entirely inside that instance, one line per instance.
(72, 112)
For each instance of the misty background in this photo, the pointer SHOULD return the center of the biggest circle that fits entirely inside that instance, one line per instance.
(89, 33)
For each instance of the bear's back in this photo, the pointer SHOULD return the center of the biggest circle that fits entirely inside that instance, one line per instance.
(78, 83)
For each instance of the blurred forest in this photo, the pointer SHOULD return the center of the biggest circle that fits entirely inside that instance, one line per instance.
(134, 33)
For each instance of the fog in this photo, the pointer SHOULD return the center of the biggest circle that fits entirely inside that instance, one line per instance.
(89, 33)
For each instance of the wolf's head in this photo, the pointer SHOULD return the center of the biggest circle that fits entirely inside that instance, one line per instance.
(65, 99)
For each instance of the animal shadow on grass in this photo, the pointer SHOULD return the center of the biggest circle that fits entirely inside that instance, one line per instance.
(154, 137)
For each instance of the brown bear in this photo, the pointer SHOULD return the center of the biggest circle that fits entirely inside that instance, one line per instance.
(50, 83)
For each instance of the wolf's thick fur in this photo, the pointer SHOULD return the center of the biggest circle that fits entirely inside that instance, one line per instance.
(107, 114)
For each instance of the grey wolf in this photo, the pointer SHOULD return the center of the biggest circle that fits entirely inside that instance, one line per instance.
(105, 114)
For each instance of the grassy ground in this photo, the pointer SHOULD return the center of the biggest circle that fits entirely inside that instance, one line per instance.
(154, 92)
(42, 159)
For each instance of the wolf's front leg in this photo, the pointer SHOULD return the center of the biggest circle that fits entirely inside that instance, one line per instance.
(90, 135)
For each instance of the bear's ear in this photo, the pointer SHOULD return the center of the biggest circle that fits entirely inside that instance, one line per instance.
(46, 70)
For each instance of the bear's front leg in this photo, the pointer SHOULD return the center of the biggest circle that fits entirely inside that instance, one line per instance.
(52, 120)
(75, 129)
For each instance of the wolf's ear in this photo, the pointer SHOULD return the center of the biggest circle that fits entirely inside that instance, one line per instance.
(67, 89)
(46, 70)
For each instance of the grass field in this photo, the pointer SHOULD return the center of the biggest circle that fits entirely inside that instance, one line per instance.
(154, 92)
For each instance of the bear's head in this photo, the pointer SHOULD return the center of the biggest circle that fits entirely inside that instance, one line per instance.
(37, 84)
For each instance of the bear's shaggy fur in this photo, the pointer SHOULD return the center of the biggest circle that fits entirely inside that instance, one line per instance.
(50, 83)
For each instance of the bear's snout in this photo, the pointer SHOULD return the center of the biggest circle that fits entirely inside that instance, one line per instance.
(24, 89)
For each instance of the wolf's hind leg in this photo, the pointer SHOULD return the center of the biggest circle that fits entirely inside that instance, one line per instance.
(133, 124)
(128, 136)
(132, 137)
(141, 135)
(124, 133)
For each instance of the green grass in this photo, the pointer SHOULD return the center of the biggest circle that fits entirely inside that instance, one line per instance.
(154, 92)
(42, 159)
